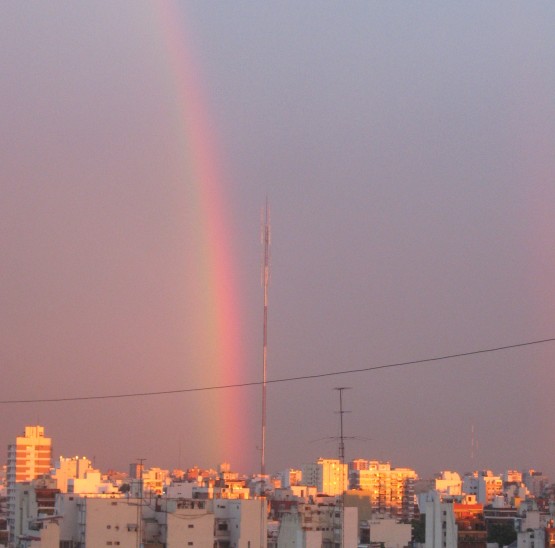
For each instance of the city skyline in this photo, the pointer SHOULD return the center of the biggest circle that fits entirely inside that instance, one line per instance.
(31, 435)
(406, 151)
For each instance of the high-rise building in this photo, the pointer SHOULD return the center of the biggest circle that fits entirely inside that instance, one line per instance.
(329, 476)
(390, 490)
(28, 458)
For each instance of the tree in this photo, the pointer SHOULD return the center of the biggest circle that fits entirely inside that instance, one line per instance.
(419, 529)
(502, 533)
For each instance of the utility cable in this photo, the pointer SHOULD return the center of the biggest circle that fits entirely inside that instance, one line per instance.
(284, 379)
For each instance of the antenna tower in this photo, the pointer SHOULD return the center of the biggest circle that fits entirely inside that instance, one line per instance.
(341, 389)
(341, 413)
(140, 467)
(265, 283)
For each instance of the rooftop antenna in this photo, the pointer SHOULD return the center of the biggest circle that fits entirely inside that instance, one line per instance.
(265, 233)
(141, 463)
(341, 389)
(265, 283)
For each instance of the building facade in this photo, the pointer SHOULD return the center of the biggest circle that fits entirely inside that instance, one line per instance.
(329, 476)
(28, 458)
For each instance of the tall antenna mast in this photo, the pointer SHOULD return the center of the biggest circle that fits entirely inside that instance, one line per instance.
(341, 389)
(265, 283)
(341, 413)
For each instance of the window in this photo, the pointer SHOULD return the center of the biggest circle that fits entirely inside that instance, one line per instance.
(190, 543)
(108, 526)
(190, 525)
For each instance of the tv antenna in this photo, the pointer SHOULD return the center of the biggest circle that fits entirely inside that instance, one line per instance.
(341, 389)
(265, 284)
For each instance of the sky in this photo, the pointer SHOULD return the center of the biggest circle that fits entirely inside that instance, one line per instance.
(406, 151)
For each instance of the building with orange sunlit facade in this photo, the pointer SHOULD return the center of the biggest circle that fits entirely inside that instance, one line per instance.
(390, 490)
(471, 527)
(28, 458)
(329, 476)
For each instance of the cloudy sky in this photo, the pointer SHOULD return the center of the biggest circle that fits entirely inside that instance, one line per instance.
(407, 152)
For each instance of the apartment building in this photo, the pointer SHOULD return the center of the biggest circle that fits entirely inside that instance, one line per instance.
(28, 458)
(329, 476)
(390, 490)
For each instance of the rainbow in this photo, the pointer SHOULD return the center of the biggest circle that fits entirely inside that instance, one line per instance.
(218, 317)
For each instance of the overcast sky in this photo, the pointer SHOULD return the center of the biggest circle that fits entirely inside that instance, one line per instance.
(407, 151)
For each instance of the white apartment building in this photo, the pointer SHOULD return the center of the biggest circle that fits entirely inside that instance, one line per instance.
(318, 526)
(34, 503)
(178, 522)
(240, 523)
(329, 476)
(441, 528)
(181, 489)
(107, 522)
(98, 520)
(90, 521)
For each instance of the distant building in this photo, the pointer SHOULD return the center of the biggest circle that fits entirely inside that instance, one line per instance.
(154, 480)
(91, 483)
(136, 470)
(535, 482)
(70, 468)
(484, 485)
(512, 476)
(291, 476)
(283, 500)
(390, 490)
(329, 476)
(449, 483)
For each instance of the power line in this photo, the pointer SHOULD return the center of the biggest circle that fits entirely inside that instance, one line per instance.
(285, 379)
